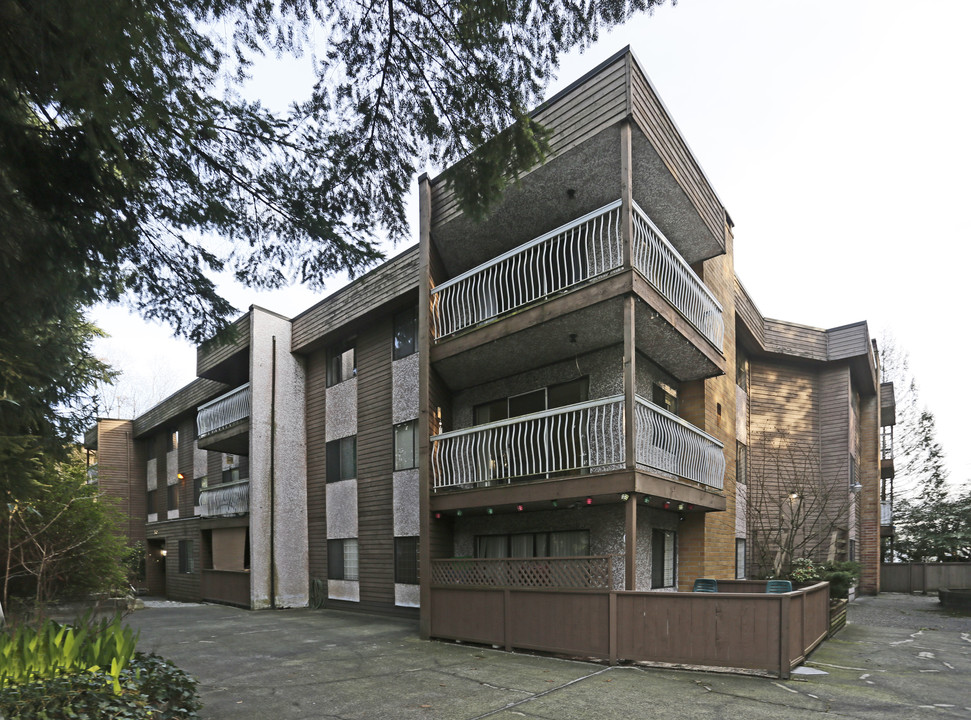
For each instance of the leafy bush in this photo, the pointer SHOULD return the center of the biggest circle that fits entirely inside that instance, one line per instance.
(102, 647)
(841, 576)
(150, 689)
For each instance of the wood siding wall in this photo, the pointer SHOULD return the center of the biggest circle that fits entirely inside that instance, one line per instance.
(210, 354)
(375, 463)
(317, 465)
(384, 284)
(119, 477)
(181, 586)
(795, 340)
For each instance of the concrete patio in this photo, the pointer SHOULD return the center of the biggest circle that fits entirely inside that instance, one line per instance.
(900, 656)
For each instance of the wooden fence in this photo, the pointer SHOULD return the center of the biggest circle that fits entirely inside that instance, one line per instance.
(226, 586)
(741, 627)
(924, 577)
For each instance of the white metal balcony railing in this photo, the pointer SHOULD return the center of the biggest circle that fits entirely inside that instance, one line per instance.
(662, 266)
(225, 410)
(886, 512)
(586, 436)
(225, 499)
(666, 442)
(581, 250)
(573, 253)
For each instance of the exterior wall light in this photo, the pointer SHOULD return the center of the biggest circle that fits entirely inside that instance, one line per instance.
(681, 507)
(589, 501)
(625, 497)
(458, 513)
(519, 508)
(667, 505)
(647, 499)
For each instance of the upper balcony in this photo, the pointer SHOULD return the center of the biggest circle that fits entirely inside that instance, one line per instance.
(224, 500)
(568, 283)
(223, 424)
(886, 452)
(573, 445)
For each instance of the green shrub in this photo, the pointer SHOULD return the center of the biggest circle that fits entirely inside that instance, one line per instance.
(150, 689)
(103, 648)
(841, 577)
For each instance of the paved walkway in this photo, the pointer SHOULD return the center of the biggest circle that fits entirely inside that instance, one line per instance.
(900, 656)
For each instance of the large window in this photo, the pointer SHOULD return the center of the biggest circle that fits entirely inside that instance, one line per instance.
(406, 560)
(172, 497)
(150, 503)
(187, 558)
(342, 559)
(341, 363)
(568, 543)
(196, 491)
(665, 396)
(553, 396)
(342, 459)
(663, 558)
(405, 333)
(406, 445)
(740, 558)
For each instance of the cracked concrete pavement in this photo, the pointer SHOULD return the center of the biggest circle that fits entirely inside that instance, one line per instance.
(900, 656)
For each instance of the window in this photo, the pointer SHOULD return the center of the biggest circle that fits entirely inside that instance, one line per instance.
(187, 560)
(151, 448)
(406, 560)
(739, 558)
(568, 543)
(172, 497)
(663, 558)
(196, 490)
(741, 464)
(741, 370)
(342, 559)
(554, 396)
(853, 473)
(342, 459)
(341, 364)
(172, 440)
(665, 396)
(150, 507)
(852, 550)
(406, 445)
(405, 333)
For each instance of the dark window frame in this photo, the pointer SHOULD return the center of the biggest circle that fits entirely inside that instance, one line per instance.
(171, 497)
(406, 569)
(547, 542)
(335, 363)
(414, 445)
(337, 559)
(151, 503)
(187, 560)
(659, 548)
(404, 339)
(337, 468)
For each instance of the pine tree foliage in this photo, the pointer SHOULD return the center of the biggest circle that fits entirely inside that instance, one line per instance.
(133, 167)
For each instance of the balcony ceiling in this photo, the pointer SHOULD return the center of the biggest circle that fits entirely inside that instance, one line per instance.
(569, 186)
(503, 349)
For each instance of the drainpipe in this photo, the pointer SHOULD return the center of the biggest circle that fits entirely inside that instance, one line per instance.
(273, 474)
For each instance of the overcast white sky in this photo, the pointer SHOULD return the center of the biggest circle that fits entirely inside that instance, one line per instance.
(838, 136)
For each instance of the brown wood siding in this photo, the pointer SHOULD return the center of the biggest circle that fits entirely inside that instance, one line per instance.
(888, 405)
(384, 284)
(375, 460)
(181, 586)
(187, 399)
(210, 354)
(214, 467)
(595, 104)
(834, 422)
(848, 341)
(651, 116)
(317, 464)
(748, 313)
(118, 478)
(796, 340)
(187, 436)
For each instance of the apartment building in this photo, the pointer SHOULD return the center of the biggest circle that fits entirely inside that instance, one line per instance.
(574, 391)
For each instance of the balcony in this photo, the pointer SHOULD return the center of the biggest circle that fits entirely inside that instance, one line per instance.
(886, 518)
(225, 500)
(223, 423)
(585, 249)
(886, 452)
(576, 439)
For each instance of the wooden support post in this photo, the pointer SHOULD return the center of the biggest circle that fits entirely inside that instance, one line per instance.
(630, 546)
(424, 411)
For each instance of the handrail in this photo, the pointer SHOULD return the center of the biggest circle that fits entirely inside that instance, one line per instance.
(666, 442)
(230, 498)
(576, 252)
(223, 411)
(657, 260)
